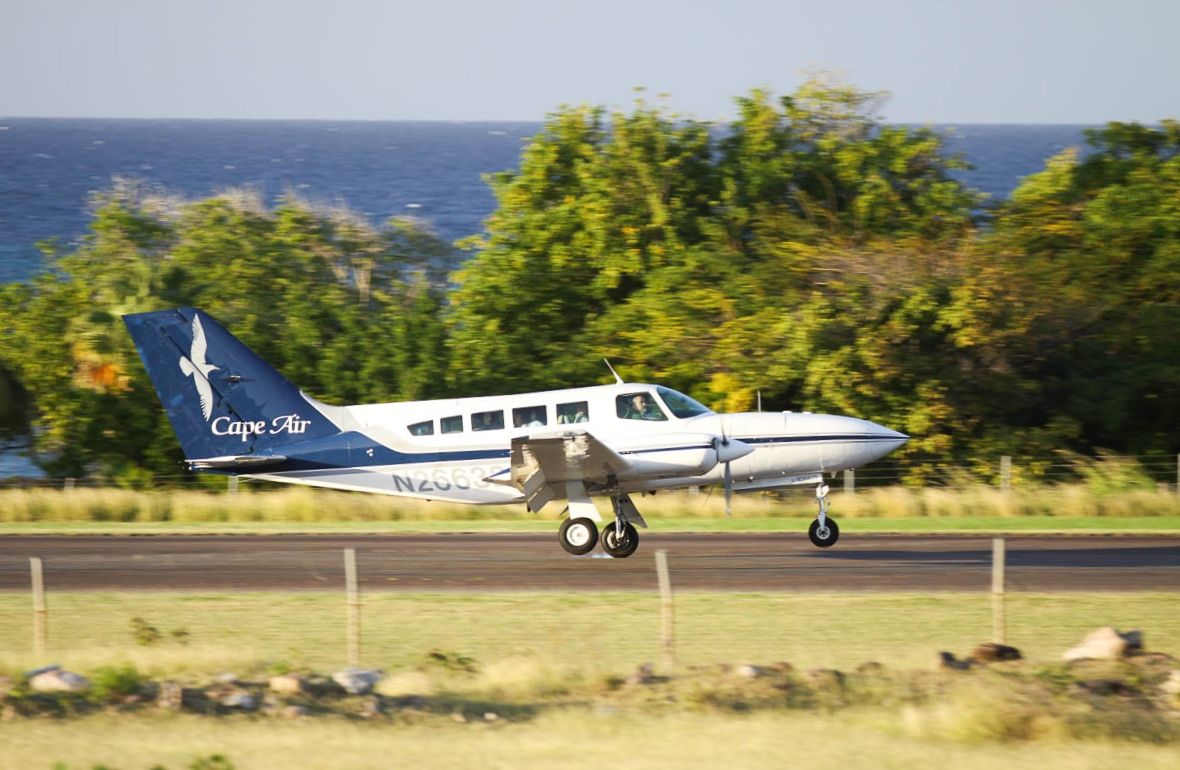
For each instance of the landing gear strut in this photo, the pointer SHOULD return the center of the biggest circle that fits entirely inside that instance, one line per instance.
(619, 537)
(823, 532)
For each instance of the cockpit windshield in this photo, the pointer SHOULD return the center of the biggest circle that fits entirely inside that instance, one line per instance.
(679, 404)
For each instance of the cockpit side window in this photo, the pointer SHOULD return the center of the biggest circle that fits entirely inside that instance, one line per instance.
(679, 404)
(638, 406)
(452, 424)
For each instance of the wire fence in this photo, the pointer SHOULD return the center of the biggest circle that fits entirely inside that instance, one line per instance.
(1121, 471)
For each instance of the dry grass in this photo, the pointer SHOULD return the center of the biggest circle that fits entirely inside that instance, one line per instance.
(308, 506)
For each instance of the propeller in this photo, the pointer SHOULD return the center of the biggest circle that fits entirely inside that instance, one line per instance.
(727, 476)
(729, 449)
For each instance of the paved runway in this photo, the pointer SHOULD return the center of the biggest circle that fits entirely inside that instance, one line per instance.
(466, 562)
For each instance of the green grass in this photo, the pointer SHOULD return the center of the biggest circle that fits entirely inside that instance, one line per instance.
(1164, 525)
(598, 633)
(892, 509)
(560, 740)
(530, 648)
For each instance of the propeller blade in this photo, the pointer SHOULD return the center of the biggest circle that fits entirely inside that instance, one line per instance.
(728, 482)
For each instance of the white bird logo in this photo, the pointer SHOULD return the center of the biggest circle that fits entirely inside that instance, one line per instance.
(196, 367)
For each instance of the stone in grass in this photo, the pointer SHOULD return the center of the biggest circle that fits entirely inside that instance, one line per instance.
(56, 679)
(948, 662)
(826, 678)
(1106, 643)
(994, 652)
(288, 684)
(239, 700)
(643, 674)
(358, 681)
(749, 671)
(170, 696)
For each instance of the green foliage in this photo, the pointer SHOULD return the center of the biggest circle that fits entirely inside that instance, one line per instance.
(110, 683)
(145, 633)
(345, 310)
(807, 252)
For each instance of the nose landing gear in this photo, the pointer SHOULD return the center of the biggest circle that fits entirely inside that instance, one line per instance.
(823, 532)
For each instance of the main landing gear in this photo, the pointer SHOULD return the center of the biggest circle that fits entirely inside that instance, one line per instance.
(823, 532)
(578, 534)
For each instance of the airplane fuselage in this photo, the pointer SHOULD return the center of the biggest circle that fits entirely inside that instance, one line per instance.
(379, 451)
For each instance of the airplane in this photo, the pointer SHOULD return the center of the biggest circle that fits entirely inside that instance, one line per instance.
(234, 414)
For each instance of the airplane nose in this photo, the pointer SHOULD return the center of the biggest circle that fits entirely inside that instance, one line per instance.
(887, 439)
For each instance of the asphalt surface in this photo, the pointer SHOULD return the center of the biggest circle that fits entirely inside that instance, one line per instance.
(481, 562)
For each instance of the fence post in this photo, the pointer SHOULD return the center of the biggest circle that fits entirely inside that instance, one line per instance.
(1178, 474)
(68, 484)
(667, 615)
(1005, 472)
(998, 559)
(40, 610)
(354, 608)
(849, 481)
(231, 485)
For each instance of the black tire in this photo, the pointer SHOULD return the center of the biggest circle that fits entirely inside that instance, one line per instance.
(827, 542)
(620, 547)
(578, 536)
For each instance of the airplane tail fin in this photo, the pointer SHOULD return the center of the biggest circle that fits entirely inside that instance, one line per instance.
(221, 398)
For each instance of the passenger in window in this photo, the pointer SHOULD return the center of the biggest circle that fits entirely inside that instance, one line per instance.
(487, 421)
(536, 418)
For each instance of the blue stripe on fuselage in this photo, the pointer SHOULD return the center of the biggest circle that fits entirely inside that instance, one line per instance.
(356, 450)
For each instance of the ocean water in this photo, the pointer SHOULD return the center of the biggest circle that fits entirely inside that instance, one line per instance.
(49, 168)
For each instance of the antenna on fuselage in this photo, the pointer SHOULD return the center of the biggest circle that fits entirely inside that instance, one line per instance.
(759, 400)
(618, 379)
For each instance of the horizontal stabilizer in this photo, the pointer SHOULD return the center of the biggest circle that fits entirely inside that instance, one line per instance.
(231, 462)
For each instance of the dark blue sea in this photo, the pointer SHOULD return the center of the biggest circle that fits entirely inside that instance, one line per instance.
(50, 167)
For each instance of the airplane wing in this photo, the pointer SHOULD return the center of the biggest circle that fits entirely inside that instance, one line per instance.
(541, 464)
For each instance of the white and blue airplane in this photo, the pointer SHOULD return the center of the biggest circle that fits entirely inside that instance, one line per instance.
(234, 414)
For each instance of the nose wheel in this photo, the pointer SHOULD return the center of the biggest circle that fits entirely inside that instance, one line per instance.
(620, 539)
(823, 532)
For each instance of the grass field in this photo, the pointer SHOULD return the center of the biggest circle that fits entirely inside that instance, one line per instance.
(570, 740)
(894, 509)
(527, 647)
(301, 505)
(595, 634)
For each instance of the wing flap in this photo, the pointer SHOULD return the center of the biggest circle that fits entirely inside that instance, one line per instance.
(544, 467)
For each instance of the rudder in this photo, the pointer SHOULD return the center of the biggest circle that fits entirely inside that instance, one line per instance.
(221, 398)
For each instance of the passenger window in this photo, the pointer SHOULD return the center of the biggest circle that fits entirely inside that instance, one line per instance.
(577, 411)
(452, 424)
(529, 417)
(422, 428)
(488, 420)
(638, 406)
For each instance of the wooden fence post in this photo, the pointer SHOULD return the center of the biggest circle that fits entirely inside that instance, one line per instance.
(667, 611)
(998, 559)
(40, 610)
(354, 608)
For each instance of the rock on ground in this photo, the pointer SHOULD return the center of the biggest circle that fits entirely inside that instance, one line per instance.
(358, 681)
(1106, 643)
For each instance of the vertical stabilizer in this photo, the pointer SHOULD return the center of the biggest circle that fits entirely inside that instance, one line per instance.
(222, 399)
